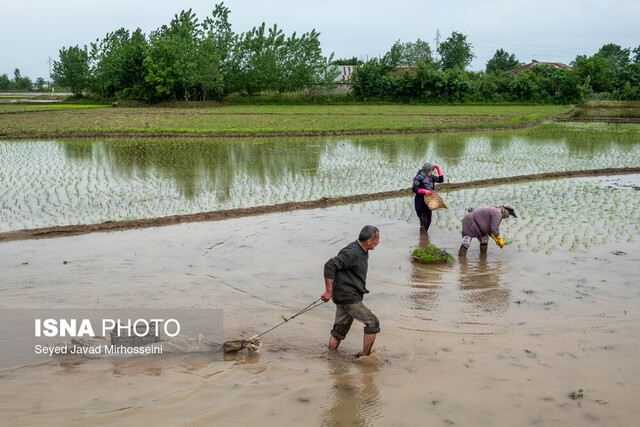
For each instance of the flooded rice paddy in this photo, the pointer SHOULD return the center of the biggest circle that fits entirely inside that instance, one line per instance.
(496, 339)
(502, 338)
(49, 183)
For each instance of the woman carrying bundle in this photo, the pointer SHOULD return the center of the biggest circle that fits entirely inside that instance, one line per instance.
(423, 184)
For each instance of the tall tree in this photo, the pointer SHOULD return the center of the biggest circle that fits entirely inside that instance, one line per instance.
(301, 64)
(636, 55)
(20, 82)
(218, 31)
(367, 81)
(256, 57)
(5, 83)
(408, 54)
(455, 52)
(617, 56)
(502, 61)
(117, 63)
(72, 70)
(209, 80)
(593, 70)
(182, 62)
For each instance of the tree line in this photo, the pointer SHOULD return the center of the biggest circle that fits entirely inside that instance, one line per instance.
(192, 60)
(20, 82)
(410, 72)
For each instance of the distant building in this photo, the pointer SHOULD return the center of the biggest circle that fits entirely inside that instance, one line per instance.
(535, 63)
(345, 73)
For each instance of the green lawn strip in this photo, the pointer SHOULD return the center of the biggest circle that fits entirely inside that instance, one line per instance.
(518, 110)
(17, 108)
(265, 130)
(267, 119)
(71, 106)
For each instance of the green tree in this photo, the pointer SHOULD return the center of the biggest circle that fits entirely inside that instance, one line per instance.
(458, 85)
(118, 68)
(21, 83)
(408, 54)
(5, 82)
(595, 69)
(209, 80)
(72, 70)
(431, 83)
(328, 73)
(522, 87)
(603, 67)
(219, 32)
(626, 82)
(455, 52)
(348, 61)
(617, 56)
(502, 61)
(300, 63)
(256, 59)
(494, 87)
(636, 54)
(366, 80)
(182, 63)
(181, 43)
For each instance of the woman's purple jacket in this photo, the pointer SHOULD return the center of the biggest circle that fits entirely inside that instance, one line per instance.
(482, 222)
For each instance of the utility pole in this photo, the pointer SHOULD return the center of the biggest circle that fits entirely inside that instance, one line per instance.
(50, 81)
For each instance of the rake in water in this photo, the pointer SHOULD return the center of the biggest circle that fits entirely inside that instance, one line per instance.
(253, 343)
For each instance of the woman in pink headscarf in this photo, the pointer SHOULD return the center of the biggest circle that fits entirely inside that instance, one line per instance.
(423, 184)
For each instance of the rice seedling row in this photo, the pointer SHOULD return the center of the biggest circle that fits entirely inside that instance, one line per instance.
(47, 183)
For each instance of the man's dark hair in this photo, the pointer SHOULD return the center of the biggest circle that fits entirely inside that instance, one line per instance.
(368, 232)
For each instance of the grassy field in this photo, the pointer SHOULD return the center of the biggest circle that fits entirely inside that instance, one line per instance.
(60, 119)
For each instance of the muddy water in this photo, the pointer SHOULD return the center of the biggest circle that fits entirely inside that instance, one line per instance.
(49, 183)
(500, 339)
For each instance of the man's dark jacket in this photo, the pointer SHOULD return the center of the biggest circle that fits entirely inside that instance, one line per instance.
(348, 270)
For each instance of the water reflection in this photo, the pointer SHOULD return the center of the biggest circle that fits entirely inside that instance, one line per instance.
(425, 280)
(189, 161)
(450, 149)
(480, 285)
(354, 396)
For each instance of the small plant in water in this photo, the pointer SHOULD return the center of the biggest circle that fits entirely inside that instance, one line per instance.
(576, 395)
(431, 254)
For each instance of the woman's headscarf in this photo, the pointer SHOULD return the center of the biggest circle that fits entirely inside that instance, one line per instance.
(427, 167)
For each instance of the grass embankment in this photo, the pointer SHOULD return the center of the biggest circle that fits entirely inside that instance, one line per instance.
(70, 120)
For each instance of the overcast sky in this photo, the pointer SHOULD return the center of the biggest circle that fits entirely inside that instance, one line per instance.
(32, 31)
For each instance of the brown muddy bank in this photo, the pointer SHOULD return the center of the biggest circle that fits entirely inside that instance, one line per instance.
(60, 231)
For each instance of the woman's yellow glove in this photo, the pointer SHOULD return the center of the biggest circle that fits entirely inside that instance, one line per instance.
(498, 240)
